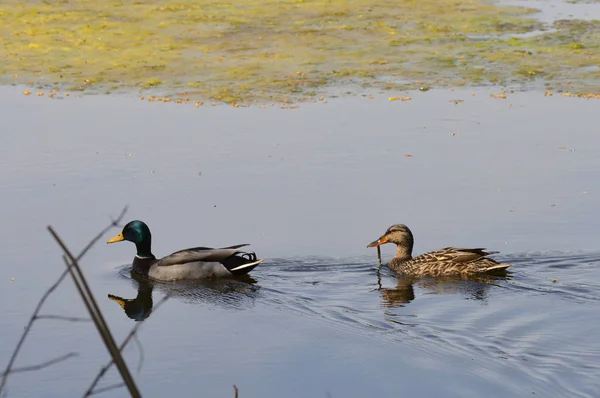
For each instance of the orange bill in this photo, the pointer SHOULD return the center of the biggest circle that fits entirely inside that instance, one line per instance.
(378, 242)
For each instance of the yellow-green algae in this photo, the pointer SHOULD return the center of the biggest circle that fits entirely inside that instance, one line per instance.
(269, 50)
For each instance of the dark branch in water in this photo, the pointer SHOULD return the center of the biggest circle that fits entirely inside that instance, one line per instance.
(35, 315)
(43, 364)
(141, 350)
(113, 224)
(32, 319)
(107, 388)
(64, 318)
(73, 268)
(90, 303)
(132, 333)
(235, 390)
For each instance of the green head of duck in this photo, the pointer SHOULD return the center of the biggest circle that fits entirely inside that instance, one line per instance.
(137, 232)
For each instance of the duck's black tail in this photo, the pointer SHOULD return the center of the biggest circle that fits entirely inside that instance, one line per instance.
(241, 263)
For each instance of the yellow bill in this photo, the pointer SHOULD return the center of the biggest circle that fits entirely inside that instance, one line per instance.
(119, 300)
(117, 238)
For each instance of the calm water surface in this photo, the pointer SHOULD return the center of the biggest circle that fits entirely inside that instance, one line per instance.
(309, 188)
(550, 11)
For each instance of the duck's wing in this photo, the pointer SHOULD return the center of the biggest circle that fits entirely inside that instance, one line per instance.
(210, 248)
(453, 259)
(199, 254)
(461, 255)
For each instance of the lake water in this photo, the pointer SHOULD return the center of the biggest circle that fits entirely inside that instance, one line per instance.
(309, 188)
(550, 11)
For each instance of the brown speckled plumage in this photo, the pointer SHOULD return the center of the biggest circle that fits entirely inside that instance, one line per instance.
(446, 261)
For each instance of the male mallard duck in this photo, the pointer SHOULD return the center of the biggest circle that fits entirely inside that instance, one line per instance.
(447, 261)
(194, 263)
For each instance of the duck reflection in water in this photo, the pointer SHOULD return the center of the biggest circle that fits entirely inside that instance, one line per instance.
(473, 287)
(140, 307)
(238, 292)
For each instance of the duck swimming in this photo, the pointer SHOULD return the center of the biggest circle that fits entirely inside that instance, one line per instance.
(446, 261)
(194, 263)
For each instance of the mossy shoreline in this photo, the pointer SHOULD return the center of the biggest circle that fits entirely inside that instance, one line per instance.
(289, 51)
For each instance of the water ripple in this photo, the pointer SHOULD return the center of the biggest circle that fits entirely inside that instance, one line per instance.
(540, 320)
(538, 323)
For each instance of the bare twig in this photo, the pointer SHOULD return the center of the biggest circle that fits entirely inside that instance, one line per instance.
(64, 318)
(51, 289)
(43, 364)
(11, 362)
(141, 350)
(91, 390)
(139, 325)
(108, 388)
(113, 224)
(96, 314)
(236, 391)
(73, 268)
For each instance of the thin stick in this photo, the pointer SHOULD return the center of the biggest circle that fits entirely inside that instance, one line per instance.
(141, 350)
(108, 388)
(43, 364)
(96, 314)
(379, 254)
(64, 318)
(51, 289)
(132, 332)
(32, 319)
(114, 223)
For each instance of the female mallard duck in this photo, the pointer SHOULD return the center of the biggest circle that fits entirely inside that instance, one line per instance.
(194, 263)
(447, 261)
